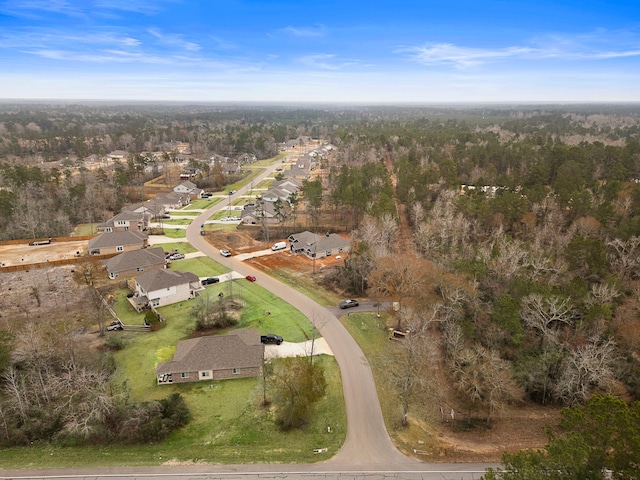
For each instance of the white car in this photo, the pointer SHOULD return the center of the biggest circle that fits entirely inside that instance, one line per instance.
(224, 252)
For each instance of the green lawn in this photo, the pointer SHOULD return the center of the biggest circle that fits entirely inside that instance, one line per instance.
(229, 425)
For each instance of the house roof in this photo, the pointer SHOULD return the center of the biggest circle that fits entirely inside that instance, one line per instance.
(153, 207)
(238, 349)
(315, 242)
(188, 185)
(126, 215)
(288, 183)
(136, 258)
(115, 239)
(172, 198)
(268, 210)
(158, 279)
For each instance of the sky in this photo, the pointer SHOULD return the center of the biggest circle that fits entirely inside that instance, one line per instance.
(321, 51)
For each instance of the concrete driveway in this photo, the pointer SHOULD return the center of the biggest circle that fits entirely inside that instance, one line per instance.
(303, 349)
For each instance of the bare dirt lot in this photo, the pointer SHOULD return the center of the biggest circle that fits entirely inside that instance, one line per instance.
(24, 254)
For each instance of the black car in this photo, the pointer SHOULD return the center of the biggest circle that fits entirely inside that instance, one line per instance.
(210, 280)
(271, 338)
(348, 304)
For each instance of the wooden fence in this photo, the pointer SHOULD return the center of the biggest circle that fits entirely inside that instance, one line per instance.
(56, 263)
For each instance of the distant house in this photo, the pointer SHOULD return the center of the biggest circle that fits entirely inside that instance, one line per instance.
(153, 208)
(157, 288)
(118, 155)
(189, 188)
(231, 168)
(117, 242)
(235, 355)
(129, 264)
(173, 200)
(125, 221)
(260, 214)
(318, 246)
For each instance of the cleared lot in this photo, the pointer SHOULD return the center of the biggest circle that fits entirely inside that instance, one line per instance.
(23, 254)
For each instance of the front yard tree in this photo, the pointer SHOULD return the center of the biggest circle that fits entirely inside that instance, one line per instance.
(297, 384)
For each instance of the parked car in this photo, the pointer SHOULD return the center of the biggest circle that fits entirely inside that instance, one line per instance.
(251, 278)
(271, 338)
(279, 246)
(231, 192)
(348, 303)
(210, 280)
(176, 256)
(114, 326)
(224, 252)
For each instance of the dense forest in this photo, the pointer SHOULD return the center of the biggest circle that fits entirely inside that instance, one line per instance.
(510, 236)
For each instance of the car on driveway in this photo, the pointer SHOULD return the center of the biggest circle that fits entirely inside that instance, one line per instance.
(271, 338)
(176, 256)
(348, 304)
(210, 280)
(224, 252)
(251, 278)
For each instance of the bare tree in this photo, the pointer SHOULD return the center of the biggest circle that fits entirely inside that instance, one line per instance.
(586, 368)
(546, 314)
(625, 257)
(485, 379)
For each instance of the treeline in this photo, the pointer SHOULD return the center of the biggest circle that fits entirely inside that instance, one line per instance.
(55, 387)
(528, 280)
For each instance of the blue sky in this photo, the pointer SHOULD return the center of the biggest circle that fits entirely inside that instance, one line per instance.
(335, 51)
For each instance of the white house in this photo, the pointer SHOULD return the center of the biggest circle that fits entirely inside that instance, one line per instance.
(157, 288)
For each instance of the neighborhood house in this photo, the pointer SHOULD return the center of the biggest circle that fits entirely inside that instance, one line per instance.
(318, 246)
(158, 288)
(235, 355)
(128, 264)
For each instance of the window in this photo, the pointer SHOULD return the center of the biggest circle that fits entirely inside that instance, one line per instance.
(108, 229)
(184, 375)
(119, 248)
(236, 371)
(155, 302)
(204, 374)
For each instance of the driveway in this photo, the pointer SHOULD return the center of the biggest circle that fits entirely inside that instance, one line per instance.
(319, 346)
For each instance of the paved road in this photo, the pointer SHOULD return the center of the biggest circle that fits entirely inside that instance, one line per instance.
(367, 452)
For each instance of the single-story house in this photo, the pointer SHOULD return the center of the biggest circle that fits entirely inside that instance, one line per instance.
(125, 221)
(318, 246)
(128, 264)
(259, 214)
(231, 168)
(117, 242)
(157, 288)
(235, 355)
(173, 200)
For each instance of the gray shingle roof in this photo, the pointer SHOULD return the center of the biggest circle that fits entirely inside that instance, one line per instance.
(115, 239)
(136, 258)
(158, 279)
(238, 349)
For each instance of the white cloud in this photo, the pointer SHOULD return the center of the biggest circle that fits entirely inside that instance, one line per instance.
(599, 45)
(174, 40)
(306, 32)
